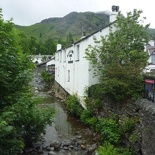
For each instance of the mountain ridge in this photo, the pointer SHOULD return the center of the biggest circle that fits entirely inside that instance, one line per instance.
(74, 23)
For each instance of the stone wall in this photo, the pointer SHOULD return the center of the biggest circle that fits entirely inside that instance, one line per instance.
(143, 112)
(146, 112)
(59, 91)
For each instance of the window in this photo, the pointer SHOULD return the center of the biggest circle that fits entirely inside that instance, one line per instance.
(60, 56)
(58, 71)
(68, 75)
(64, 55)
(78, 52)
(70, 56)
(153, 58)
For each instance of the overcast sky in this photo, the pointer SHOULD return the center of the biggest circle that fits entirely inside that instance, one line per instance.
(28, 12)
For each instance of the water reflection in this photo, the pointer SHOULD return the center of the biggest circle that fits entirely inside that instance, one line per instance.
(65, 126)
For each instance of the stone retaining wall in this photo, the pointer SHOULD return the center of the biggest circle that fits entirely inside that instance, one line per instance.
(146, 111)
(143, 111)
(59, 91)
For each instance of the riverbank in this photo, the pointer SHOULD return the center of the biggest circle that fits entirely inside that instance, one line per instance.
(66, 135)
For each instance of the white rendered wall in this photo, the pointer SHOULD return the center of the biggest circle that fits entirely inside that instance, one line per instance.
(81, 75)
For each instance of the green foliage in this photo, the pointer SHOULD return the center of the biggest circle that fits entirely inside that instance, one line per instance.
(128, 125)
(95, 91)
(32, 46)
(86, 114)
(69, 39)
(92, 122)
(94, 98)
(47, 77)
(16, 67)
(110, 130)
(32, 118)
(134, 137)
(21, 118)
(50, 46)
(24, 42)
(74, 106)
(89, 119)
(10, 140)
(119, 58)
(109, 149)
(24, 122)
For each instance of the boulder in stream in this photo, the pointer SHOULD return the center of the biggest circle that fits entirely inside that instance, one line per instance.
(55, 144)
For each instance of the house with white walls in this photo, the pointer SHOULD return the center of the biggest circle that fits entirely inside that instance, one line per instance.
(73, 72)
(38, 59)
(50, 65)
(150, 49)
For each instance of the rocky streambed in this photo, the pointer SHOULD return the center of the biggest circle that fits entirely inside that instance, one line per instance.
(66, 135)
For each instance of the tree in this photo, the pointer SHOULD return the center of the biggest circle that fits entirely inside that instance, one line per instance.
(62, 42)
(33, 45)
(50, 46)
(69, 40)
(24, 42)
(119, 58)
(41, 49)
(21, 119)
(14, 65)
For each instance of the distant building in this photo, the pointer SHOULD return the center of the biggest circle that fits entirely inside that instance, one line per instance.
(50, 66)
(40, 58)
(150, 49)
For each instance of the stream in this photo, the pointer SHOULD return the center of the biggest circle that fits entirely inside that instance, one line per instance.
(66, 135)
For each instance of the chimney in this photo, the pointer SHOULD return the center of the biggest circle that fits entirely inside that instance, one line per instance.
(59, 46)
(114, 13)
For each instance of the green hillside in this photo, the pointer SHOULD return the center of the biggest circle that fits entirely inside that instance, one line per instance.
(72, 24)
(44, 36)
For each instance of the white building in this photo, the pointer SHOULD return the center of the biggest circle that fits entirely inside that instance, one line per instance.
(72, 71)
(50, 65)
(40, 58)
(150, 49)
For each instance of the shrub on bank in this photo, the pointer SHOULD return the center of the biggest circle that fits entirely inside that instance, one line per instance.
(89, 119)
(74, 106)
(112, 131)
(109, 149)
(47, 77)
(23, 124)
